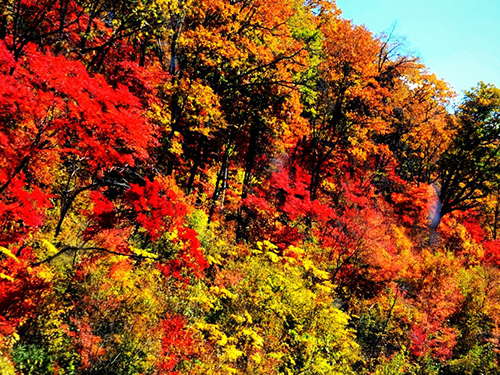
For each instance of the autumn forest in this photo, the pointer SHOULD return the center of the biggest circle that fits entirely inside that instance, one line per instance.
(239, 187)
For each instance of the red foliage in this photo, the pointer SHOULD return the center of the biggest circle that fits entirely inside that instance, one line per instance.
(61, 110)
(414, 204)
(492, 252)
(55, 115)
(22, 210)
(428, 338)
(159, 210)
(156, 207)
(284, 201)
(20, 291)
(88, 344)
(52, 110)
(470, 220)
(177, 344)
(140, 81)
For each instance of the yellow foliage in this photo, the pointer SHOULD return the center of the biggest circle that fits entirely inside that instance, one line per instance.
(143, 252)
(8, 253)
(231, 353)
(45, 273)
(7, 277)
(279, 315)
(6, 365)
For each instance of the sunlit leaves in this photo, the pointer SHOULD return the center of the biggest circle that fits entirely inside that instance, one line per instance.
(275, 313)
(235, 187)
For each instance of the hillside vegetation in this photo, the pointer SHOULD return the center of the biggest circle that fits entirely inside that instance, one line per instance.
(239, 187)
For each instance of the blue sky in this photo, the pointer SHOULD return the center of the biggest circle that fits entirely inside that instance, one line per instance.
(459, 40)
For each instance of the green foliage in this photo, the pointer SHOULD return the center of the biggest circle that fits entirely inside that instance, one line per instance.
(480, 359)
(32, 359)
(469, 169)
(400, 363)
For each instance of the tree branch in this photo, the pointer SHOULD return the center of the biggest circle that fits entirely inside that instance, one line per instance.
(93, 248)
